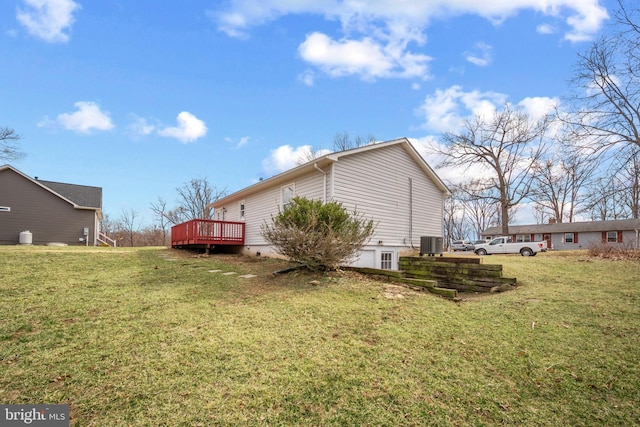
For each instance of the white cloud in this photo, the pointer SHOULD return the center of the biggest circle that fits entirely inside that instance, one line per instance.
(240, 143)
(48, 19)
(445, 110)
(480, 55)
(308, 77)
(286, 157)
(388, 28)
(545, 29)
(189, 128)
(140, 127)
(583, 17)
(88, 117)
(587, 20)
(538, 106)
(365, 57)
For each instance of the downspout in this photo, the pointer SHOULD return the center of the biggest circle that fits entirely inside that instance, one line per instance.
(324, 187)
(411, 213)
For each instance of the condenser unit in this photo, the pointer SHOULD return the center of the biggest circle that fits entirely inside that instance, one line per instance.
(431, 245)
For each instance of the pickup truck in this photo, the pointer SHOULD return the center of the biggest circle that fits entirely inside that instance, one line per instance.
(503, 245)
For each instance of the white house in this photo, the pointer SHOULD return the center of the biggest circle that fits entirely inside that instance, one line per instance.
(575, 235)
(388, 182)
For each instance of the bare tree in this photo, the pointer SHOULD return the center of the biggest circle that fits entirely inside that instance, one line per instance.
(130, 224)
(193, 198)
(159, 208)
(310, 153)
(603, 200)
(509, 143)
(343, 141)
(9, 150)
(627, 179)
(454, 218)
(559, 182)
(607, 84)
(107, 225)
(481, 205)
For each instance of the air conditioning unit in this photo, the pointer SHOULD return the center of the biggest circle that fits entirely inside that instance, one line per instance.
(431, 245)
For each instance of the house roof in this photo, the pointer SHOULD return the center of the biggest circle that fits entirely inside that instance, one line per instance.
(326, 160)
(568, 227)
(80, 196)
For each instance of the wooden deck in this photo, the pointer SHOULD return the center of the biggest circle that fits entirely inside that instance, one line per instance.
(207, 233)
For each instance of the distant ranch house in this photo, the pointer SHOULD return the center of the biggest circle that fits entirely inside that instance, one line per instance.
(388, 182)
(575, 235)
(51, 212)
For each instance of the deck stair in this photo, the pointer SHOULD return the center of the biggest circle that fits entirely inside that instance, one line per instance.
(104, 240)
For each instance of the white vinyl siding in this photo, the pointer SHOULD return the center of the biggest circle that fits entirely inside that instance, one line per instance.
(386, 184)
(376, 183)
(260, 207)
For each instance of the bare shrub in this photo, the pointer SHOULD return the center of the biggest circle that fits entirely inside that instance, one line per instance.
(321, 236)
(614, 251)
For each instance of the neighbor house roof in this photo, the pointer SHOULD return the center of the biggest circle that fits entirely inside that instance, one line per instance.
(568, 227)
(328, 159)
(80, 196)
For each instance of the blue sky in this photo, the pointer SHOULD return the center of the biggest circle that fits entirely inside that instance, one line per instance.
(139, 97)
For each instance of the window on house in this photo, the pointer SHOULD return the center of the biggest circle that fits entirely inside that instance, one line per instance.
(288, 192)
(5, 209)
(569, 237)
(523, 238)
(386, 260)
(242, 210)
(220, 213)
(612, 236)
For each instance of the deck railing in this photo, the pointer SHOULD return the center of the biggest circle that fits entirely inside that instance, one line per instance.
(207, 232)
(106, 240)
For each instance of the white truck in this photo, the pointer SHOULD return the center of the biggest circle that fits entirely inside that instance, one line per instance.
(504, 245)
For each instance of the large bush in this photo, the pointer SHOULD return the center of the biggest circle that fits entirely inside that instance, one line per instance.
(316, 234)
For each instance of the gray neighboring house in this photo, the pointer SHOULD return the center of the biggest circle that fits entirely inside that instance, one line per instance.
(388, 182)
(51, 211)
(575, 235)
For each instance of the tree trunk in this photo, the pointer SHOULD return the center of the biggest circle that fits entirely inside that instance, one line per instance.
(505, 218)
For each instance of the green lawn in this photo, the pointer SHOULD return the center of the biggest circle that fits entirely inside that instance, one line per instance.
(150, 337)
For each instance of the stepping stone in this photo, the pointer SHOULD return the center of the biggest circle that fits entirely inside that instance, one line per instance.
(229, 273)
(215, 271)
(248, 276)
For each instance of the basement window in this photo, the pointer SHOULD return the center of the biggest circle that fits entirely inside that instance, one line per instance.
(386, 260)
(5, 209)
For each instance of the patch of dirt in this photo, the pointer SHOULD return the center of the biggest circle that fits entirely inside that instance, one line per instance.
(397, 292)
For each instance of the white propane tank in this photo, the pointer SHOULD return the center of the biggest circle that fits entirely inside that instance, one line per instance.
(26, 238)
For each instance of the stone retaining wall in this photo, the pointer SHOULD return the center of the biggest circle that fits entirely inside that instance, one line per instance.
(460, 273)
